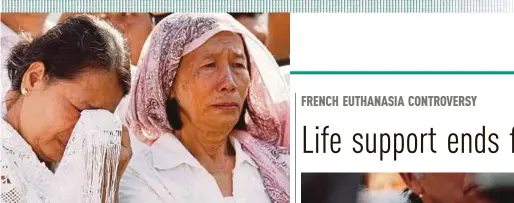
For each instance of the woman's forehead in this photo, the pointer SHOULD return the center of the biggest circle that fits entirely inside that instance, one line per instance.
(223, 41)
(96, 89)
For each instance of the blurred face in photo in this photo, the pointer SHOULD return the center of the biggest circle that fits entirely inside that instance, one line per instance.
(256, 26)
(135, 26)
(444, 187)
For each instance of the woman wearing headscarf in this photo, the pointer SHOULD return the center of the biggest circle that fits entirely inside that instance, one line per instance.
(210, 102)
(60, 140)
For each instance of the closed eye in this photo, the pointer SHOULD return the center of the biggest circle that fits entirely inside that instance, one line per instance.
(210, 65)
(239, 65)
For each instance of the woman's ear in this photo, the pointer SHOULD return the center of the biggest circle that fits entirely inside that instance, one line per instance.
(412, 181)
(33, 77)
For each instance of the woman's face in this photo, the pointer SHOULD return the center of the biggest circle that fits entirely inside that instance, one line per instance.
(50, 109)
(212, 83)
(446, 187)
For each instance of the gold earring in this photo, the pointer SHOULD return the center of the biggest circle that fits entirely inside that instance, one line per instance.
(23, 91)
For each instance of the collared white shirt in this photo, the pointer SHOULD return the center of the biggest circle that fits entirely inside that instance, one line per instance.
(168, 172)
(8, 38)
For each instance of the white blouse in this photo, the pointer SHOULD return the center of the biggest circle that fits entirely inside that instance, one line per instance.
(167, 172)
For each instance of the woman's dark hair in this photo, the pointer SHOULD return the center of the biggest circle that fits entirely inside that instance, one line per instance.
(413, 198)
(73, 46)
(172, 108)
(251, 15)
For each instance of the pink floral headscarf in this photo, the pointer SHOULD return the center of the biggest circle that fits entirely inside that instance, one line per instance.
(177, 35)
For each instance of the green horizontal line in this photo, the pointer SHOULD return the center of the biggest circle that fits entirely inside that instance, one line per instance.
(402, 72)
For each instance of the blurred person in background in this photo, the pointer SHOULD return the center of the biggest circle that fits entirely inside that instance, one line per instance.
(14, 24)
(384, 181)
(79, 64)
(157, 17)
(424, 188)
(497, 187)
(216, 126)
(33, 23)
(279, 33)
(135, 26)
(255, 24)
(330, 187)
(278, 43)
(273, 31)
(382, 188)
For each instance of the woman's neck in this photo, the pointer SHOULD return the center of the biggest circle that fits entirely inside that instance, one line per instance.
(13, 118)
(213, 151)
(206, 145)
(23, 23)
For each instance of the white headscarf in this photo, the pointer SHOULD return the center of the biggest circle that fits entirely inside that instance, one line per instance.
(267, 134)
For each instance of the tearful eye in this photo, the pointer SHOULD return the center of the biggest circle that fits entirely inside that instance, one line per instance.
(239, 65)
(210, 65)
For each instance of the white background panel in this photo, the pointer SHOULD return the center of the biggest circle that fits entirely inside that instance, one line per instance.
(402, 42)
